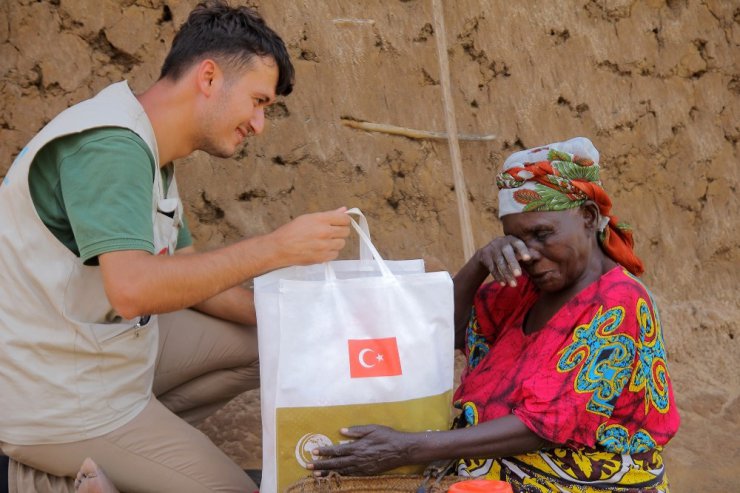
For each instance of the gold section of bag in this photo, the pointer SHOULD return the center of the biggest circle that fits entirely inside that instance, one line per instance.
(301, 429)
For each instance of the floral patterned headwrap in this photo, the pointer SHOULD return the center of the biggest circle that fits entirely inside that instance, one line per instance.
(562, 176)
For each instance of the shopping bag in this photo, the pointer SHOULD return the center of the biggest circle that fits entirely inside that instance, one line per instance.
(350, 342)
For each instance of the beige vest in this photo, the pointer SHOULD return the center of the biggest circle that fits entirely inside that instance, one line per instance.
(70, 368)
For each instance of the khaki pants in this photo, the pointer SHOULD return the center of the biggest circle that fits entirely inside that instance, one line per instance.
(202, 363)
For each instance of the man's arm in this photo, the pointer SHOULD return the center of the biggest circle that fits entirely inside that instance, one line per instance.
(139, 283)
(235, 304)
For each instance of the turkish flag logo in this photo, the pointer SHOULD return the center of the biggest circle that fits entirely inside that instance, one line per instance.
(374, 358)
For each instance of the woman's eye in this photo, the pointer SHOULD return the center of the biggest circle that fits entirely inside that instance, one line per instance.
(542, 235)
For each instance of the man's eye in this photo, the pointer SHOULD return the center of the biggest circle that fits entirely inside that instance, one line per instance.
(541, 235)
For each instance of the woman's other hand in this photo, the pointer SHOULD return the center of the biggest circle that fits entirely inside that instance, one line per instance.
(501, 257)
(373, 449)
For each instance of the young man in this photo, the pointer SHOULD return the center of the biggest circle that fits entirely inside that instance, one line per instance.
(89, 222)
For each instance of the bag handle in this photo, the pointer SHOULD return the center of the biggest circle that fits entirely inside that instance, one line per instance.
(367, 249)
(365, 252)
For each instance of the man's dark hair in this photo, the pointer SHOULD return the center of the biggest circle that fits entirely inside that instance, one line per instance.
(230, 35)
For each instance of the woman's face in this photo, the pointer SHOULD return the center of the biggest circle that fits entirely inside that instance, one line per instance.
(560, 243)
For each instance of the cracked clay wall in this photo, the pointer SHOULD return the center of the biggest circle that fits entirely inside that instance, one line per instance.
(653, 83)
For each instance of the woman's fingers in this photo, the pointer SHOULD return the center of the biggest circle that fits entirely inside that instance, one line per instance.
(522, 251)
(332, 451)
(502, 256)
(513, 270)
(358, 431)
(335, 459)
(507, 277)
(362, 455)
(331, 463)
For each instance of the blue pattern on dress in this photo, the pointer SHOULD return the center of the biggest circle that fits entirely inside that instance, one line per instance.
(615, 438)
(606, 359)
(477, 344)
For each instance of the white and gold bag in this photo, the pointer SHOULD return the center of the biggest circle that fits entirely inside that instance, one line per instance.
(350, 342)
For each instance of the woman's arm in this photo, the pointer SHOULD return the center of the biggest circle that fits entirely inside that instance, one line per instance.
(466, 282)
(500, 258)
(376, 449)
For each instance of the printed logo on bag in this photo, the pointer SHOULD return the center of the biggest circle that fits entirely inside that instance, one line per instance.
(307, 443)
(374, 358)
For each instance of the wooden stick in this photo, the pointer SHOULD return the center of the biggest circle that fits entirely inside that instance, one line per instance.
(459, 177)
(342, 22)
(411, 133)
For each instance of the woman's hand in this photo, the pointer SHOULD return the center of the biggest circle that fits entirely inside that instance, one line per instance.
(375, 449)
(501, 257)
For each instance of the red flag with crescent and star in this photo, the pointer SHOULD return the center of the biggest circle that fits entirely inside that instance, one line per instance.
(374, 358)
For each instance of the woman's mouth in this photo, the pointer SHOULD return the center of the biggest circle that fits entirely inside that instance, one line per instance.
(541, 277)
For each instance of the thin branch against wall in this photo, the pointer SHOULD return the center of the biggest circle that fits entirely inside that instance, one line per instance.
(341, 22)
(459, 178)
(410, 133)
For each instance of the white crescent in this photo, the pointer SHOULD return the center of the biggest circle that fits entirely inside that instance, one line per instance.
(361, 357)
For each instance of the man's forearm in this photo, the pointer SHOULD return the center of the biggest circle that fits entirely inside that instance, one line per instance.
(138, 283)
(235, 304)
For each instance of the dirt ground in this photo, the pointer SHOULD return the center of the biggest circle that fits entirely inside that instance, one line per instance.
(653, 83)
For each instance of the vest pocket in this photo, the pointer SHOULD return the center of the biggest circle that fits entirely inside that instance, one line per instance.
(105, 333)
(125, 363)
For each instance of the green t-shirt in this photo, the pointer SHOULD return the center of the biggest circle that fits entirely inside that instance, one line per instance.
(93, 190)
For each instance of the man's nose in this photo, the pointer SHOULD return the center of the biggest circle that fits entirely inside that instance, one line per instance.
(257, 122)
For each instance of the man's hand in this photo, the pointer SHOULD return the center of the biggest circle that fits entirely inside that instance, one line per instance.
(311, 238)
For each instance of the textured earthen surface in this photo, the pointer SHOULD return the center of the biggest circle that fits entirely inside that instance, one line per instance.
(654, 83)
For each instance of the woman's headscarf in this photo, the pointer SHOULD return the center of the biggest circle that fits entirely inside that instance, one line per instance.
(562, 176)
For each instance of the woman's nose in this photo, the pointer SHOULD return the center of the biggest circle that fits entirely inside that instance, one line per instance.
(534, 254)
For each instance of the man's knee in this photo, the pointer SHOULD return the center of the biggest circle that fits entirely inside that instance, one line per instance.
(243, 379)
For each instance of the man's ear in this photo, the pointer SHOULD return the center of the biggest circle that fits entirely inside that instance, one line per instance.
(590, 213)
(207, 76)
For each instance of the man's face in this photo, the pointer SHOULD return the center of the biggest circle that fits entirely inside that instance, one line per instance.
(237, 108)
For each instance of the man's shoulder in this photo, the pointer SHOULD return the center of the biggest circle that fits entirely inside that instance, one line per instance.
(114, 139)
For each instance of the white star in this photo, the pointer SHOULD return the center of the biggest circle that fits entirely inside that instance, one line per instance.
(379, 357)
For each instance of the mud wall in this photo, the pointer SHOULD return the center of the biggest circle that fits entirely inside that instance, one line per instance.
(653, 83)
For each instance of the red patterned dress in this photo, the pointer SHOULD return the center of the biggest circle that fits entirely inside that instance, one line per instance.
(593, 382)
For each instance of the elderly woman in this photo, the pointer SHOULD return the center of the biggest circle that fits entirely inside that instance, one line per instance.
(566, 386)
